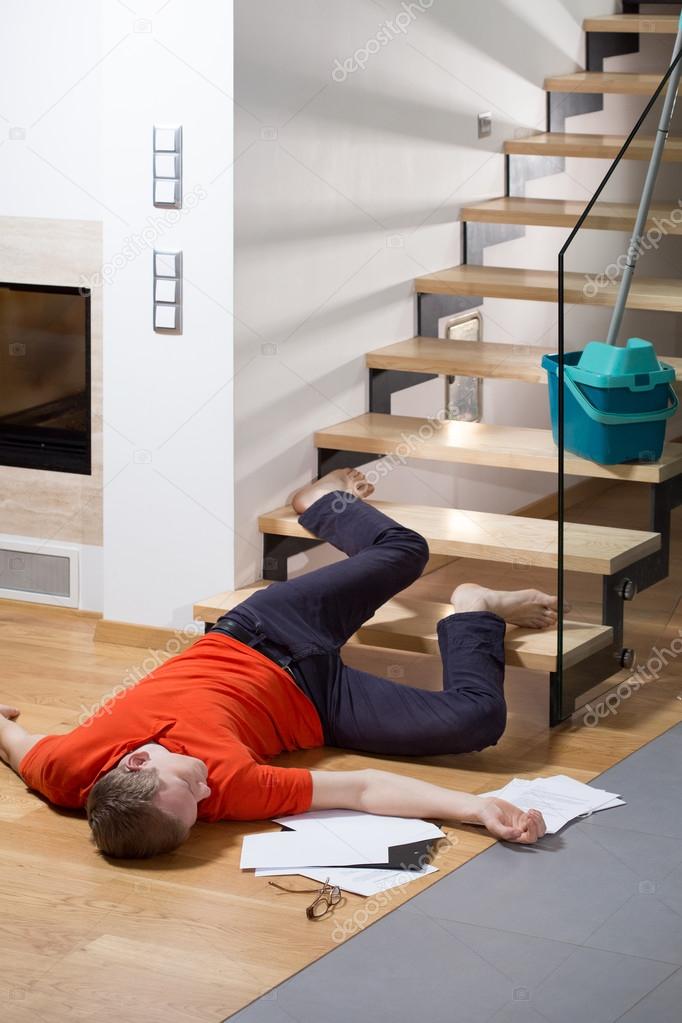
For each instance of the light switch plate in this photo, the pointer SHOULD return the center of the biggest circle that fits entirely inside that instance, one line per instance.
(168, 291)
(167, 139)
(485, 125)
(166, 191)
(168, 264)
(166, 165)
(167, 150)
(165, 317)
(165, 289)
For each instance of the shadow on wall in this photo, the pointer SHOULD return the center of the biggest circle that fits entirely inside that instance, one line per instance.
(276, 408)
(366, 109)
(341, 317)
(320, 223)
(529, 35)
(329, 171)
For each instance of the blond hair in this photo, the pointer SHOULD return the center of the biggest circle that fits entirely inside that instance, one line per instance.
(125, 823)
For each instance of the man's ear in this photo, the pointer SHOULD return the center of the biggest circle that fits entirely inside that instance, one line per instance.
(136, 760)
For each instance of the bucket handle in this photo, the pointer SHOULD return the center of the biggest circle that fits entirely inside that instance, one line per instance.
(616, 418)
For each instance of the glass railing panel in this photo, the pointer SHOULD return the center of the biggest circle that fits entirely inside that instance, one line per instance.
(613, 392)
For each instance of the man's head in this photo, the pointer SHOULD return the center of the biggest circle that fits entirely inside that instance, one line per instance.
(147, 804)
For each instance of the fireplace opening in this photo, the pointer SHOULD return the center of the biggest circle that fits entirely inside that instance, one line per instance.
(45, 387)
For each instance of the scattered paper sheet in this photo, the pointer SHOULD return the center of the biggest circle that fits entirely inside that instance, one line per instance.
(359, 880)
(559, 799)
(334, 838)
(293, 849)
(357, 827)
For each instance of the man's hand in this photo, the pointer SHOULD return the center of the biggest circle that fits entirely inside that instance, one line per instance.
(395, 795)
(11, 713)
(510, 824)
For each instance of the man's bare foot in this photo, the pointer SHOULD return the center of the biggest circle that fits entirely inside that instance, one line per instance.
(351, 481)
(531, 609)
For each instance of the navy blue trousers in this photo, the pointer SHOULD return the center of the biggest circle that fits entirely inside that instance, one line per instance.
(312, 616)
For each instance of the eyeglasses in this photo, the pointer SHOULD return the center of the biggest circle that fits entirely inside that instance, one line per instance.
(328, 896)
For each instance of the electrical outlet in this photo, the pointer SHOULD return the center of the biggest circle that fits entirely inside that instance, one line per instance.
(485, 125)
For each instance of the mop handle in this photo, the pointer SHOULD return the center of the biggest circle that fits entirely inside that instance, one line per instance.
(647, 192)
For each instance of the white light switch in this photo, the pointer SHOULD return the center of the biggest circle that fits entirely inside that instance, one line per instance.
(167, 154)
(165, 165)
(166, 191)
(166, 139)
(165, 290)
(167, 264)
(168, 291)
(165, 317)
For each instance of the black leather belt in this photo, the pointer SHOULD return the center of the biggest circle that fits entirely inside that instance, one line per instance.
(259, 643)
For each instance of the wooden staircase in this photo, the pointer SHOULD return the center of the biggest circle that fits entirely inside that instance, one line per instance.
(621, 83)
(374, 434)
(489, 359)
(604, 216)
(410, 625)
(658, 24)
(626, 560)
(656, 294)
(508, 539)
(592, 147)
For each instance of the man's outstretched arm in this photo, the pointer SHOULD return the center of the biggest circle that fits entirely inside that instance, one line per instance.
(15, 741)
(394, 795)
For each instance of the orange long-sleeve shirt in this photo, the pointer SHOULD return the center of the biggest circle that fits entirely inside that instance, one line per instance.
(219, 700)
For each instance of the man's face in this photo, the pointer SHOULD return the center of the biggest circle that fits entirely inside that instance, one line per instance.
(182, 779)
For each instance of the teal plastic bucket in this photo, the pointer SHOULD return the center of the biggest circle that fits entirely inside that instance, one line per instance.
(616, 401)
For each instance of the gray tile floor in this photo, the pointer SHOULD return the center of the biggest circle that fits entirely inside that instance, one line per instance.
(585, 926)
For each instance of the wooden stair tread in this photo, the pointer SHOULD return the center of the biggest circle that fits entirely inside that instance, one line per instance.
(464, 358)
(595, 147)
(211, 608)
(489, 359)
(664, 294)
(613, 216)
(657, 24)
(600, 550)
(511, 447)
(407, 624)
(624, 83)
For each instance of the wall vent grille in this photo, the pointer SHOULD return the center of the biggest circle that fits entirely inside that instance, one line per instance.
(42, 576)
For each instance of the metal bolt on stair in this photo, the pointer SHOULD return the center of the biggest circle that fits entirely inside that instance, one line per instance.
(627, 657)
(627, 589)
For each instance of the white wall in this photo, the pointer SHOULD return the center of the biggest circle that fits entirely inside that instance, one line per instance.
(49, 168)
(49, 73)
(347, 189)
(86, 81)
(168, 493)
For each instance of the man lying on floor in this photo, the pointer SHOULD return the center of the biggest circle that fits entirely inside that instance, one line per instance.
(190, 741)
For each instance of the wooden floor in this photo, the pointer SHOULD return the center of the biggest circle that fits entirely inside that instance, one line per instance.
(189, 938)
